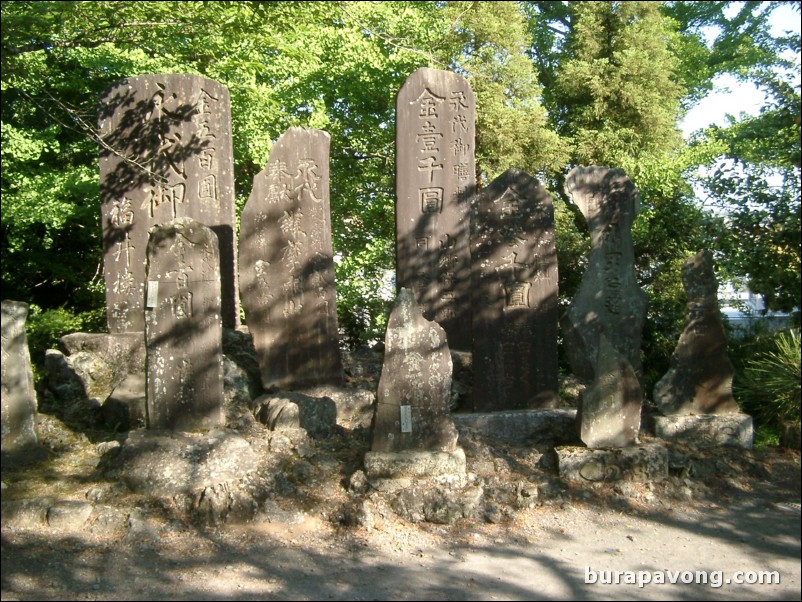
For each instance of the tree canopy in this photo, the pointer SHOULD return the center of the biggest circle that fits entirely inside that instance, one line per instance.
(558, 84)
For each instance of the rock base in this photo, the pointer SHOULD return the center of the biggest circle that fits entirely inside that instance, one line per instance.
(414, 464)
(554, 427)
(642, 464)
(213, 476)
(705, 431)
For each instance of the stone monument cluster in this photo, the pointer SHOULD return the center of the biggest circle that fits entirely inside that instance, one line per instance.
(476, 273)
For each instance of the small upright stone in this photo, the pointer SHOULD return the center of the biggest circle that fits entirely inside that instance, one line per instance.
(609, 300)
(287, 266)
(183, 328)
(514, 269)
(435, 178)
(412, 413)
(699, 380)
(166, 153)
(18, 395)
(609, 412)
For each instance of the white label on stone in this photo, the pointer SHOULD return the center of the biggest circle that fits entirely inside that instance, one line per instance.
(153, 293)
(406, 419)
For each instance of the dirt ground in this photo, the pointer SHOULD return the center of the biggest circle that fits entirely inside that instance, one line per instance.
(729, 515)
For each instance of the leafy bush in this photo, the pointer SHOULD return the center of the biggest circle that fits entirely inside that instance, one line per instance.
(769, 387)
(44, 328)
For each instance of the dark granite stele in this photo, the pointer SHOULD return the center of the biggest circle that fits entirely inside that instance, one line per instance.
(183, 328)
(287, 266)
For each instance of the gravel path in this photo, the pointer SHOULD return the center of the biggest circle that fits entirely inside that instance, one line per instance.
(545, 553)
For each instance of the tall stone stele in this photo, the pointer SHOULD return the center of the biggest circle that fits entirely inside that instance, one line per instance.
(435, 178)
(412, 410)
(183, 328)
(609, 301)
(514, 269)
(18, 394)
(699, 379)
(610, 409)
(165, 153)
(287, 267)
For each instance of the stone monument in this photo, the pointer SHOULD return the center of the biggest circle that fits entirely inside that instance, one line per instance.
(435, 177)
(165, 153)
(413, 433)
(609, 300)
(610, 408)
(695, 395)
(514, 294)
(699, 380)
(18, 394)
(183, 328)
(287, 267)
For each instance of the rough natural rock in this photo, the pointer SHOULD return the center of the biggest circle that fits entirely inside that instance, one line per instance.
(699, 379)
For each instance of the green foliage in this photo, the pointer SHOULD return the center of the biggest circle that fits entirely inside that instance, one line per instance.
(769, 387)
(756, 184)
(617, 91)
(45, 327)
(488, 43)
(767, 436)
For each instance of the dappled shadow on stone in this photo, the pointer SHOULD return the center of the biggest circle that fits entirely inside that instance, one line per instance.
(286, 265)
(514, 295)
(165, 153)
(435, 178)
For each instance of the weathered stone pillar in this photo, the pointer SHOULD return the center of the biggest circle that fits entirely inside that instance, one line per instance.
(165, 153)
(609, 301)
(183, 328)
(435, 177)
(699, 380)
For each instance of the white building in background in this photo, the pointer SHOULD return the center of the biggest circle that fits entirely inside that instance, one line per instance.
(744, 310)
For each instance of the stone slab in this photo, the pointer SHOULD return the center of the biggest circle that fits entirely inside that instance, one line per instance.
(705, 431)
(414, 464)
(514, 295)
(435, 177)
(287, 267)
(18, 395)
(166, 152)
(413, 397)
(643, 463)
(554, 426)
(183, 328)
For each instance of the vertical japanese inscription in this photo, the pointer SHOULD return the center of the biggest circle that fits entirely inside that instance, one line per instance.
(412, 410)
(609, 300)
(166, 153)
(183, 328)
(435, 175)
(286, 264)
(514, 295)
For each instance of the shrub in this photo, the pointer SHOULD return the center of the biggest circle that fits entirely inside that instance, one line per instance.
(44, 328)
(770, 384)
